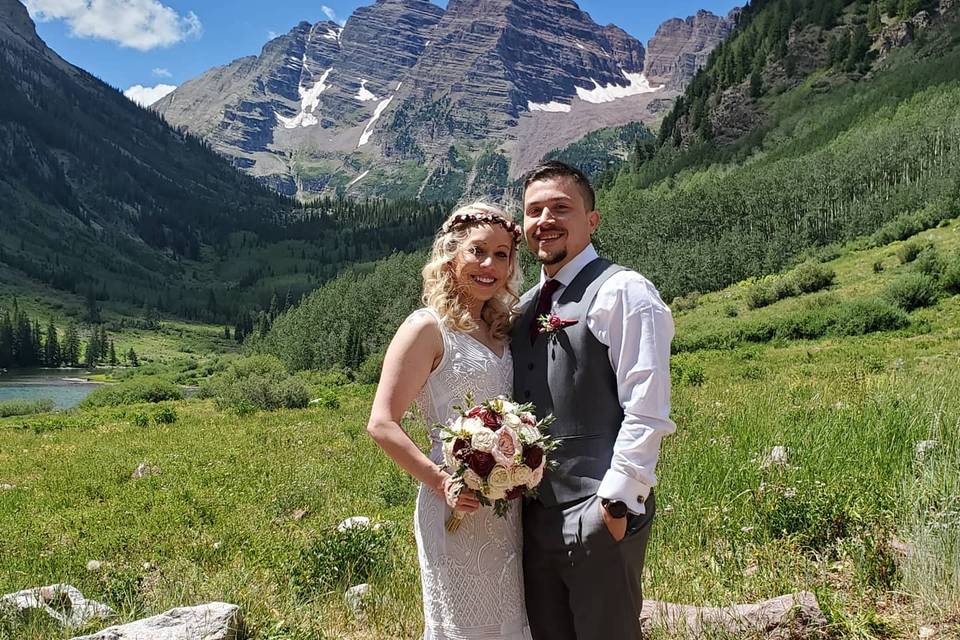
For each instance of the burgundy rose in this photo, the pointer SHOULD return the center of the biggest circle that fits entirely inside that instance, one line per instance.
(532, 456)
(461, 449)
(556, 322)
(481, 463)
(516, 492)
(489, 418)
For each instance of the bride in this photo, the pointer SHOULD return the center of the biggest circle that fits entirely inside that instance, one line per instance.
(472, 579)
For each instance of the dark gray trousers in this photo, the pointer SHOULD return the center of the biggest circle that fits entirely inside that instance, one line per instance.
(580, 583)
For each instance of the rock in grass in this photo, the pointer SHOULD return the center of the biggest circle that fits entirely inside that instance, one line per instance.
(777, 456)
(144, 470)
(62, 602)
(796, 615)
(356, 597)
(94, 565)
(352, 522)
(213, 621)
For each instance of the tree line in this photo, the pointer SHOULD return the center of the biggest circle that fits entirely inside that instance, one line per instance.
(24, 342)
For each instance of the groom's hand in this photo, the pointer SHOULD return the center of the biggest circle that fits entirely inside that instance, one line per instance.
(616, 526)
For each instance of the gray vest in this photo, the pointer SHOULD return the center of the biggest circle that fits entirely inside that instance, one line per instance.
(568, 374)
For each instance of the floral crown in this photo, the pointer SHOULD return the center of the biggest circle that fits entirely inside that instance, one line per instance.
(489, 218)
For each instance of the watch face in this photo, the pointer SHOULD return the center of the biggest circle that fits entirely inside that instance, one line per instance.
(616, 509)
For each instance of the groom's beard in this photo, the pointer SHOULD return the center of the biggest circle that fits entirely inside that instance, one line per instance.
(552, 258)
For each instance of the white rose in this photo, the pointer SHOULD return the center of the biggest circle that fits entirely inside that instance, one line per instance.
(521, 474)
(512, 420)
(472, 425)
(535, 477)
(496, 494)
(509, 407)
(448, 459)
(500, 478)
(528, 434)
(472, 480)
(483, 440)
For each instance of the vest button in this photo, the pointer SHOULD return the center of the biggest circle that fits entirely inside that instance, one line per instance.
(530, 366)
(526, 394)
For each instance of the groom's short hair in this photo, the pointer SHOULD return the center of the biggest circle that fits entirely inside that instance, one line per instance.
(557, 169)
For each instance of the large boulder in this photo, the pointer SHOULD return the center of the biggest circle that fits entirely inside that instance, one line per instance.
(62, 602)
(213, 621)
(791, 616)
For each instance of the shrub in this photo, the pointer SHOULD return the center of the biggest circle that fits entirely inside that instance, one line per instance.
(929, 263)
(730, 311)
(339, 559)
(685, 302)
(165, 415)
(256, 383)
(911, 291)
(810, 277)
(687, 370)
(868, 316)
(24, 407)
(134, 391)
(766, 292)
(950, 280)
(140, 419)
(910, 224)
(878, 266)
(908, 251)
(369, 371)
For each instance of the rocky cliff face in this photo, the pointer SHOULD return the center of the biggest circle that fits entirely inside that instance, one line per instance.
(409, 99)
(680, 47)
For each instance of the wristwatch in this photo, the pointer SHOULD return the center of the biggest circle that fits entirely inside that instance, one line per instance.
(615, 508)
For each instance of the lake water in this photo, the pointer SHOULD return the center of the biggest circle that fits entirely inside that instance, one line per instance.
(60, 385)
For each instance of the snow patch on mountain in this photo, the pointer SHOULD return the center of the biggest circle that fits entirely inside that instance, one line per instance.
(309, 101)
(638, 84)
(363, 95)
(553, 107)
(368, 130)
(358, 178)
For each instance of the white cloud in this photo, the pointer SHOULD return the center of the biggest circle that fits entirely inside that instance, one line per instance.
(331, 15)
(146, 96)
(138, 24)
(162, 73)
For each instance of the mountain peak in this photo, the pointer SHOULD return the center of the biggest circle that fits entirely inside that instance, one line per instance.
(16, 25)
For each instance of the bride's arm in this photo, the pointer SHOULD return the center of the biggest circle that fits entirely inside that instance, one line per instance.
(413, 353)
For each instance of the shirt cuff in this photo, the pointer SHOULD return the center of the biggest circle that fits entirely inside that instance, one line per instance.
(617, 486)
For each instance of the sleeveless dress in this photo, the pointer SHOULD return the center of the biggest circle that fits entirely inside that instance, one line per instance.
(473, 578)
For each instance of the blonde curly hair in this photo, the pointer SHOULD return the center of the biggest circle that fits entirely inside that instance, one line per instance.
(440, 289)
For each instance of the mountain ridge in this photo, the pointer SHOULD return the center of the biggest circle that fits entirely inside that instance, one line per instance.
(441, 104)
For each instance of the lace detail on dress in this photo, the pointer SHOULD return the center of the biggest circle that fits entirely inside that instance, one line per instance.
(472, 579)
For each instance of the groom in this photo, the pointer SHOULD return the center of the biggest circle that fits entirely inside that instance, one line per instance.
(605, 375)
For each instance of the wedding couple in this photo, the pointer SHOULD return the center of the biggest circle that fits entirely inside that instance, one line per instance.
(573, 569)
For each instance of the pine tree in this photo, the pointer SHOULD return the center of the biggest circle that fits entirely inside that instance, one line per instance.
(873, 16)
(90, 355)
(113, 355)
(51, 349)
(132, 358)
(71, 346)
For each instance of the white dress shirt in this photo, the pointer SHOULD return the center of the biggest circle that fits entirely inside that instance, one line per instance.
(629, 317)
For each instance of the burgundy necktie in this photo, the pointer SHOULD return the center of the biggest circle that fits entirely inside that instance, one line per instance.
(544, 302)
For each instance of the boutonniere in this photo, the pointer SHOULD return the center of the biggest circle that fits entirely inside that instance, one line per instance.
(551, 324)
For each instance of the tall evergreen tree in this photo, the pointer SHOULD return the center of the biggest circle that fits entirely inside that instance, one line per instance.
(113, 355)
(51, 348)
(71, 346)
(132, 358)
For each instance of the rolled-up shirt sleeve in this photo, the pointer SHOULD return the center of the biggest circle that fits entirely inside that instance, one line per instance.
(630, 318)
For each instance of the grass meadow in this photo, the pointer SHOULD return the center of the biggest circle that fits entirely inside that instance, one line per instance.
(863, 509)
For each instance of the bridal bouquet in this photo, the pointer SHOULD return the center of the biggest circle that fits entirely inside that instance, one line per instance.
(498, 449)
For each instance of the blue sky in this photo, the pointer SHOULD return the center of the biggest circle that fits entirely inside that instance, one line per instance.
(152, 42)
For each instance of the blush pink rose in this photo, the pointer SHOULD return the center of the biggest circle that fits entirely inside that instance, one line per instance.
(506, 447)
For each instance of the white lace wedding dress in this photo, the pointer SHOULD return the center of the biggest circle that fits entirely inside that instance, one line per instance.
(472, 578)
